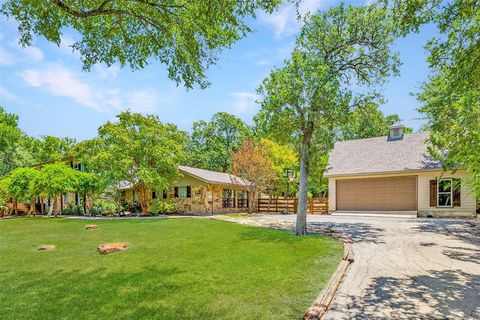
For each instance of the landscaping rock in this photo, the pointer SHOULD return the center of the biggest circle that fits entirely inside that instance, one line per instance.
(46, 247)
(91, 227)
(111, 247)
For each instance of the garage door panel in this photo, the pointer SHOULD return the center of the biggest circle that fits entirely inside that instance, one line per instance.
(377, 194)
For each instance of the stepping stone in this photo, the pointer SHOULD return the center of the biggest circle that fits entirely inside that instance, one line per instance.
(91, 227)
(46, 247)
(111, 247)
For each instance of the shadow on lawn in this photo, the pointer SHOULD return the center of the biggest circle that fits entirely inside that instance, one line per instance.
(450, 294)
(95, 294)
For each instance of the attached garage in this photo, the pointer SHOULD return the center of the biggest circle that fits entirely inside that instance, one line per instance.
(377, 194)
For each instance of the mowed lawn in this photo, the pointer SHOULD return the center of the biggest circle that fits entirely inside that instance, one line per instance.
(174, 269)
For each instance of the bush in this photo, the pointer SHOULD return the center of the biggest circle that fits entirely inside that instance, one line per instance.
(162, 207)
(73, 210)
(103, 206)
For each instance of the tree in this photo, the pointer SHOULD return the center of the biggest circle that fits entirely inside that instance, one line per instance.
(4, 194)
(50, 148)
(305, 100)
(213, 142)
(254, 168)
(451, 96)
(282, 157)
(53, 180)
(10, 136)
(88, 185)
(366, 122)
(137, 149)
(186, 36)
(19, 187)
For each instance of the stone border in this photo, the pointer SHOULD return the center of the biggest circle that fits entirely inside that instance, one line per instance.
(321, 305)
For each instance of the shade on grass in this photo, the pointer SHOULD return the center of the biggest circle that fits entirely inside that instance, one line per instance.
(174, 269)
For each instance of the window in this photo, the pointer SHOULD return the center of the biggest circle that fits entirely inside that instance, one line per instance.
(183, 192)
(228, 198)
(242, 199)
(444, 193)
(65, 198)
(164, 194)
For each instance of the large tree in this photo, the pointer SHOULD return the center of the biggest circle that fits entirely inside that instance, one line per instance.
(213, 142)
(10, 141)
(306, 99)
(20, 187)
(137, 149)
(451, 96)
(186, 36)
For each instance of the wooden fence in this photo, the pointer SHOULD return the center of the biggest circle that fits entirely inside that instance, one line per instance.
(282, 204)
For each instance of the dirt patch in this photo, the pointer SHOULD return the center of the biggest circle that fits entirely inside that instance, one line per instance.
(112, 247)
(91, 227)
(46, 247)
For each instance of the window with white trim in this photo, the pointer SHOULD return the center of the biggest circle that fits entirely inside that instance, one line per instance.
(444, 193)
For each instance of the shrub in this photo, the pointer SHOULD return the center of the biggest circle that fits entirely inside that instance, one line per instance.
(103, 206)
(73, 210)
(162, 206)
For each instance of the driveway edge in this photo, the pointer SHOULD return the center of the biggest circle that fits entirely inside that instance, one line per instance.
(321, 305)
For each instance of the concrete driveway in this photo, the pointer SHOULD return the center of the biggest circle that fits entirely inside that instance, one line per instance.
(407, 268)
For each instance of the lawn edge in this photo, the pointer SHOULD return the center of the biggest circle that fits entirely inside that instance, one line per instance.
(321, 304)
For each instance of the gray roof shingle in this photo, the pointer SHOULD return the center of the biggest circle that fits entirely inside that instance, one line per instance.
(378, 155)
(212, 176)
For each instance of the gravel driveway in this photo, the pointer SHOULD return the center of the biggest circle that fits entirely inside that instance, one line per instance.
(407, 268)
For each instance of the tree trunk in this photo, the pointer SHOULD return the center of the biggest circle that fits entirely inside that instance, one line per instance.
(42, 206)
(15, 206)
(251, 200)
(301, 223)
(142, 191)
(32, 209)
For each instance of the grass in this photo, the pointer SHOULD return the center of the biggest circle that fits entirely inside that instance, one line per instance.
(175, 269)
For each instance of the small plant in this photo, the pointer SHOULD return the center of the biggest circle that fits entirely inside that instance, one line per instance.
(104, 206)
(162, 207)
(73, 210)
(95, 211)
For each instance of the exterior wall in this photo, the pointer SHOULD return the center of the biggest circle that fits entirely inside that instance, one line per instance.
(205, 197)
(467, 202)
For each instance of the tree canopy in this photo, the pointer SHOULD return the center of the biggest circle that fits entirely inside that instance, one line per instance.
(185, 36)
(451, 96)
(304, 101)
(213, 142)
(137, 149)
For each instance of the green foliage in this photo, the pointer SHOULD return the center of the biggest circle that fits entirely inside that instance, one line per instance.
(138, 149)
(367, 121)
(55, 179)
(159, 206)
(103, 206)
(10, 137)
(50, 148)
(4, 190)
(73, 210)
(451, 96)
(282, 157)
(186, 36)
(20, 185)
(213, 142)
(310, 96)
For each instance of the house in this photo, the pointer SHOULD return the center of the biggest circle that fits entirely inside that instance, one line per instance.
(395, 175)
(199, 191)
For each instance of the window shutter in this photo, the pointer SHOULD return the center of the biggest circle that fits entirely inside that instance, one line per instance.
(456, 192)
(176, 192)
(433, 193)
(189, 192)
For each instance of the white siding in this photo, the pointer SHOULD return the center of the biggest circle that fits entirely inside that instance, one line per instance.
(467, 200)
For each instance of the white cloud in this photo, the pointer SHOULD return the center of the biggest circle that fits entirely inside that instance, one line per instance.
(62, 82)
(6, 59)
(33, 53)
(244, 102)
(7, 95)
(143, 100)
(263, 62)
(284, 20)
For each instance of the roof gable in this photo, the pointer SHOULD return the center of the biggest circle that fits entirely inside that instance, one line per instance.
(378, 155)
(212, 176)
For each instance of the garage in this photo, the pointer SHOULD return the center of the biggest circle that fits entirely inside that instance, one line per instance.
(377, 194)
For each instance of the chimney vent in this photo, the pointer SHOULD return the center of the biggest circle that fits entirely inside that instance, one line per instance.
(396, 132)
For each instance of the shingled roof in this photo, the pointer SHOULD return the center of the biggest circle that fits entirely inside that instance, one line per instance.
(213, 177)
(379, 155)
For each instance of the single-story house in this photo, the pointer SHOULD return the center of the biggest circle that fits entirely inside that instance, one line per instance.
(396, 175)
(199, 191)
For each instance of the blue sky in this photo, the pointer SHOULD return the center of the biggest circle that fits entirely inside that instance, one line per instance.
(46, 87)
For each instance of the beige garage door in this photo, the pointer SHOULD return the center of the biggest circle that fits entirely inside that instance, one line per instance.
(377, 194)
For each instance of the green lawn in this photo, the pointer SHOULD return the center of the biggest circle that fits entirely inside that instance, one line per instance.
(175, 269)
